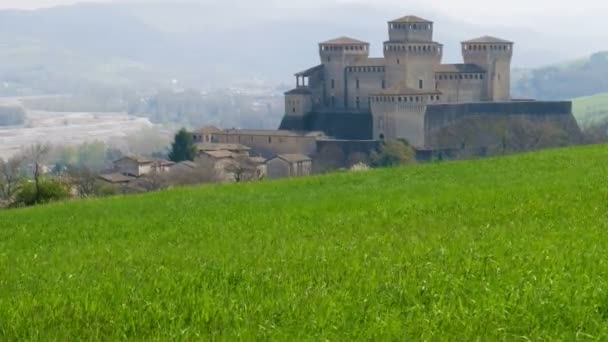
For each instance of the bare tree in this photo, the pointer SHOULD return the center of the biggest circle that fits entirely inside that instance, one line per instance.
(36, 155)
(85, 180)
(11, 172)
(243, 169)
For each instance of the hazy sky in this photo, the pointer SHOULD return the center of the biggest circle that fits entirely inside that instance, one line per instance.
(466, 8)
(518, 12)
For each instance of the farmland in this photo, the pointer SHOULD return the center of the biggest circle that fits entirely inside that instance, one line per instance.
(502, 248)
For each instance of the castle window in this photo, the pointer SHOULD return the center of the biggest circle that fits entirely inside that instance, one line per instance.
(420, 84)
(398, 62)
(270, 140)
(328, 59)
(333, 84)
(383, 84)
(417, 99)
(357, 83)
(481, 77)
(400, 99)
(358, 102)
(411, 99)
(294, 109)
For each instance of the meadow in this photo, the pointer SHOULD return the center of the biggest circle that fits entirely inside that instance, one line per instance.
(509, 248)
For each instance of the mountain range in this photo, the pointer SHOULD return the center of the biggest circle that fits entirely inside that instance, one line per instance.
(148, 46)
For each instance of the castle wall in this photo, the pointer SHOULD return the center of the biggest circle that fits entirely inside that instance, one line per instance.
(458, 88)
(361, 82)
(298, 104)
(271, 144)
(412, 63)
(421, 32)
(441, 116)
(399, 120)
(339, 124)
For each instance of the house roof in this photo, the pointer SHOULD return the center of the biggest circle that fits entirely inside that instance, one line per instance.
(488, 40)
(201, 147)
(277, 133)
(310, 71)
(188, 164)
(299, 91)
(344, 41)
(410, 19)
(221, 154)
(293, 158)
(116, 178)
(207, 130)
(258, 160)
(402, 89)
(138, 159)
(459, 68)
(163, 162)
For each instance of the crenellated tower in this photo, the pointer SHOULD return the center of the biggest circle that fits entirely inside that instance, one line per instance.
(410, 54)
(336, 55)
(494, 55)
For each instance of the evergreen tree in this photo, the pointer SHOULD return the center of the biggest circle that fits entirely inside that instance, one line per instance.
(183, 147)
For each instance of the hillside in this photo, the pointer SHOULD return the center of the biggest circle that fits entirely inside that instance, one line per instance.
(146, 45)
(577, 78)
(495, 249)
(590, 110)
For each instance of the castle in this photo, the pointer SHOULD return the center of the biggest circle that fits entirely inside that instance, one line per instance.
(408, 94)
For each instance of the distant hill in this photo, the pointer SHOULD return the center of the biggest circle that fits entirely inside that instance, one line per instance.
(590, 110)
(146, 45)
(582, 77)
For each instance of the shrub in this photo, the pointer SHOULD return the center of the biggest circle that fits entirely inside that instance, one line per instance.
(51, 189)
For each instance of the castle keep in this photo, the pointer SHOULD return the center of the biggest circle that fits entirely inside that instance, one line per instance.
(404, 94)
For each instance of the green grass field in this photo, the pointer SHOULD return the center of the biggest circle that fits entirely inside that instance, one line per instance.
(591, 110)
(510, 248)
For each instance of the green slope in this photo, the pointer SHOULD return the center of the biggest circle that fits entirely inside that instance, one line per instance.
(507, 248)
(591, 110)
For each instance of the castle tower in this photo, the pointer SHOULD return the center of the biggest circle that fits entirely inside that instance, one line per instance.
(336, 55)
(410, 53)
(494, 55)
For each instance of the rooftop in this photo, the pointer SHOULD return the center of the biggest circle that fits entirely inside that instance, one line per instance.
(116, 178)
(310, 71)
(279, 133)
(344, 41)
(222, 154)
(293, 158)
(487, 40)
(299, 91)
(411, 19)
(207, 129)
(219, 147)
(460, 68)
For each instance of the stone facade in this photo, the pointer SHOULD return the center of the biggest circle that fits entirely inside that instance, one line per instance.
(396, 89)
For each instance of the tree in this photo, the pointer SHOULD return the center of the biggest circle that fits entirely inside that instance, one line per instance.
(84, 179)
(45, 191)
(243, 169)
(393, 153)
(11, 172)
(183, 148)
(36, 154)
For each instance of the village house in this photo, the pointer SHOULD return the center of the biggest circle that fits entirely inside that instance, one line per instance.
(230, 161)
(138, 166)
(289, 165)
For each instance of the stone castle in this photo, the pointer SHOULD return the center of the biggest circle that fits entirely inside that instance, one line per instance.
(409, 94)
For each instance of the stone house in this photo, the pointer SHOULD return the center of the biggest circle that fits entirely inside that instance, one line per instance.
(139, 166)
(205, 134)
(289, 165)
